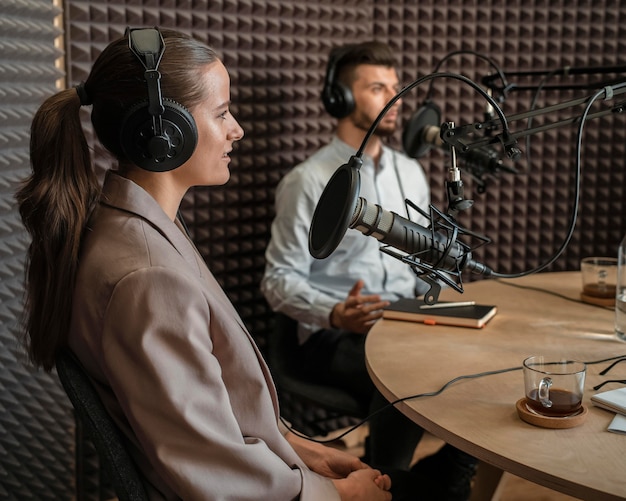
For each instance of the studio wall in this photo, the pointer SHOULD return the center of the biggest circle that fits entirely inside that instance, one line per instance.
(276, 53)
(36, 425)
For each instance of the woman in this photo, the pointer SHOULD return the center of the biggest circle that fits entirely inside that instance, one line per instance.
(166, 350)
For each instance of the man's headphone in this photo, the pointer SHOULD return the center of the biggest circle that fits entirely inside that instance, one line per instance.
(157, 134)
(337, 98)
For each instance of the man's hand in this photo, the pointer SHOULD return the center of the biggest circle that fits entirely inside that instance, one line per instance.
(357, 313)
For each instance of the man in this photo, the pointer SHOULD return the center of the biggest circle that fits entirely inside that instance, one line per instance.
(337, 300)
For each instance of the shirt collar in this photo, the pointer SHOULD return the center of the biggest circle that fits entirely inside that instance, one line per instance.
(343, 148)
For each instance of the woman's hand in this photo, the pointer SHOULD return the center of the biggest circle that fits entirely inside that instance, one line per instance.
(353, 479)
(327, 461)
(364, 485)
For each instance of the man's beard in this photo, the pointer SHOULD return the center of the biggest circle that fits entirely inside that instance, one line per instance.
(364, 123)
(385, 131)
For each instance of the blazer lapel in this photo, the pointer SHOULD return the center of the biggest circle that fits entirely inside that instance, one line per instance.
(125, 195)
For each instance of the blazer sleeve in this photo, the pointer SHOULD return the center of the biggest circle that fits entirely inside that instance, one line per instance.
(159, 359)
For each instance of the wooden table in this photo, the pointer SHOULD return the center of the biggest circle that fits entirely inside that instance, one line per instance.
(479, 415)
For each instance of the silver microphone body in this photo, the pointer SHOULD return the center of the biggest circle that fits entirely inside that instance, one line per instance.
(413, 239)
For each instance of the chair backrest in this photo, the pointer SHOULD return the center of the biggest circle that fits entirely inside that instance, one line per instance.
(282, 360)
(103, 431)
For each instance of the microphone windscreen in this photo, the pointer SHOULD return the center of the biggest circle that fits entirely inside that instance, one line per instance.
(334, 209)
(413, 141)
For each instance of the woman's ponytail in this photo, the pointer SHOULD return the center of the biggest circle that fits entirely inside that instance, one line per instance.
(55, 203)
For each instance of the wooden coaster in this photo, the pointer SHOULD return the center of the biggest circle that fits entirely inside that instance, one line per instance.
(598, 301)
(527, 415)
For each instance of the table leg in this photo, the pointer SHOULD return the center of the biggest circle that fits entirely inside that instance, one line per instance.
(486, 483)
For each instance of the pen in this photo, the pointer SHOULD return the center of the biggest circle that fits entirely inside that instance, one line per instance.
(447, 305)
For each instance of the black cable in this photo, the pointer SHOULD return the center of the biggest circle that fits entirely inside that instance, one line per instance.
(608, 94)
(492, 63)
(421, 395)
(397, 401)
(552, 293)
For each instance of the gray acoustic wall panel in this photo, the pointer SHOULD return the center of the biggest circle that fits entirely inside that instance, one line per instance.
(36, 423)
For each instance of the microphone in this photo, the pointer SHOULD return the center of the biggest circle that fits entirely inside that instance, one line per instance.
(423, 131)
(340, 208)
(430, 247)
(485, 158)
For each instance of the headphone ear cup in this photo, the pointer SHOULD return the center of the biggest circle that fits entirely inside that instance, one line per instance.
(338, 100)
(158, 153)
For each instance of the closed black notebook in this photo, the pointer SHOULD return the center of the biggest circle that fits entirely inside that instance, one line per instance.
(414, 310)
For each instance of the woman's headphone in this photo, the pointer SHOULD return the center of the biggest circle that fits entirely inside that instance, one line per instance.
(157, 134)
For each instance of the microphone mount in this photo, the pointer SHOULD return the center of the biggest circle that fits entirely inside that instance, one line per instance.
(445, 226)
(490, 81)
(457, 136)
(454, 184)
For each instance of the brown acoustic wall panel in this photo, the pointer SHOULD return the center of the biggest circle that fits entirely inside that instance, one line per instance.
(276, 53)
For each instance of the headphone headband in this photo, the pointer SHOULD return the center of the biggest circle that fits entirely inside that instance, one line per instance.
(145, 43)
(148, 45)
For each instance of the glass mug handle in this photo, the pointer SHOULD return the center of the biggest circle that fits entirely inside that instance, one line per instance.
(543, 392)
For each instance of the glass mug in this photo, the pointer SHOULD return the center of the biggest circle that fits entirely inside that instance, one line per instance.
(554, 388)
(599, 275)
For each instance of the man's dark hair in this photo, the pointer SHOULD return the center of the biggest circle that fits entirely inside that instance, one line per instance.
(348, 57)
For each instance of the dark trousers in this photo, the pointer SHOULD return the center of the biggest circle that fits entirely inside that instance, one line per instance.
(337, 359)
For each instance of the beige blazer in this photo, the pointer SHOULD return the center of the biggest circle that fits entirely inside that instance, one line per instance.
(174, 363)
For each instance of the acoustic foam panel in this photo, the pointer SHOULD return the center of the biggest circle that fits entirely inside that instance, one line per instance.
(36, 423)
(276, 53)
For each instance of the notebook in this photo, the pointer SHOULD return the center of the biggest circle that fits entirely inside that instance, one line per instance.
(618, 425)
(612, 400)
(415, 310)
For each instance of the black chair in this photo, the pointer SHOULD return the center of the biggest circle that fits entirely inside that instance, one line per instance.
(314, 409)
(104, 433)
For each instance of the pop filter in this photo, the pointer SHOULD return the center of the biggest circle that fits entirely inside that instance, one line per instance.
(426, 121)
(335, 209)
